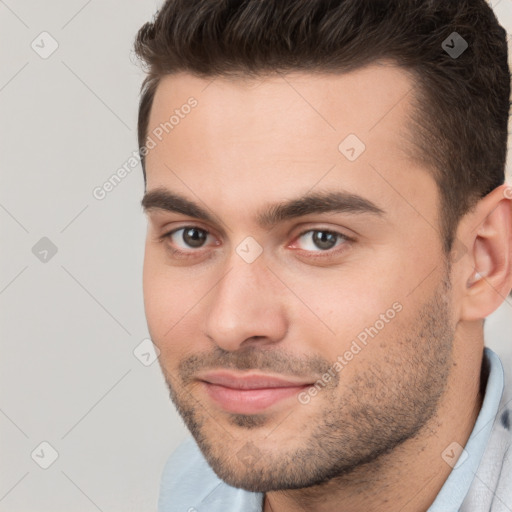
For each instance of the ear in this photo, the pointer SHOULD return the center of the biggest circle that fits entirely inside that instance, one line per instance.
(485, 275)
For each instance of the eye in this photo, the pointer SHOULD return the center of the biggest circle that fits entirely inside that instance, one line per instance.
(188, 237)
(320, 240)
(186, 242)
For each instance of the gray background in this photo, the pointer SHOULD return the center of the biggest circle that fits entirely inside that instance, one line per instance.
(70, 321)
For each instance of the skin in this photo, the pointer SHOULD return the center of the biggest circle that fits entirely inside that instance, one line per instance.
(372, 439)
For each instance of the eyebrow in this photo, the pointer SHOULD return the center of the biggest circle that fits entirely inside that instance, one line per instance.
(320, 202)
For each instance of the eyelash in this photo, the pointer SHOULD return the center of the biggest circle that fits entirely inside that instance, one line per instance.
(312, 254)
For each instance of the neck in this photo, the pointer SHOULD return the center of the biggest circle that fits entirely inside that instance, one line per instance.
(410, 477)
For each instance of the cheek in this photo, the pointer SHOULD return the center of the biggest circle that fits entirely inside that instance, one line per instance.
(368, 306)
(170, 297)
(346, 299)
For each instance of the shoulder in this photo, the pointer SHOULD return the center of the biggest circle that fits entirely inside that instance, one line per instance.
(186, 457)
(189, 484)
(494, 482)
(186, 474)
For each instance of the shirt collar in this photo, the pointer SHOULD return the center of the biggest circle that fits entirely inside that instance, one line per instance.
(457, 484)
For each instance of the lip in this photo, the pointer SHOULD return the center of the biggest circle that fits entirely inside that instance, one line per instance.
(249, 393)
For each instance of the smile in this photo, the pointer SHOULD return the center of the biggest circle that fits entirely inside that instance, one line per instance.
(249, 394)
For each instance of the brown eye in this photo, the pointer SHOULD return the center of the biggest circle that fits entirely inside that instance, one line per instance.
(324, 239)
(188, 237)
(318, 240)
(194, 237)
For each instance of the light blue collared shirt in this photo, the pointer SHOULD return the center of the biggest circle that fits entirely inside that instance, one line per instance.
(189, 484)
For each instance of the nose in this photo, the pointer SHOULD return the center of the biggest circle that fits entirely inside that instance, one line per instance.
(246, 307)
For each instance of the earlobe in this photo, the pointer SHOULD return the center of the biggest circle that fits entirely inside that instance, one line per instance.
(488, 237)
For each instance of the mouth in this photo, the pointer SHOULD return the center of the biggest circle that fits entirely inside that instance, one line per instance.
(249, 393)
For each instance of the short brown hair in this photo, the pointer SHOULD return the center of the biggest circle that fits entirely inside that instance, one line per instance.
(461, 103)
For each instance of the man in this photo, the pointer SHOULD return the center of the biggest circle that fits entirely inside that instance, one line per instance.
(328, 227)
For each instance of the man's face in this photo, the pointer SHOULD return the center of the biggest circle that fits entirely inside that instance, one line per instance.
(298, 342)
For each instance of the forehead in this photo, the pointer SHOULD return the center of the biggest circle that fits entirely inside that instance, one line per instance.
(282, 132)
(360, 101)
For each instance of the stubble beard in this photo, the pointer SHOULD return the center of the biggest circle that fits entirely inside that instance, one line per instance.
(387, 403)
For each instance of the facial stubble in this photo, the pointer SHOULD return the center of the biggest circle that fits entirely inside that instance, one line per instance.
(389, 401)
